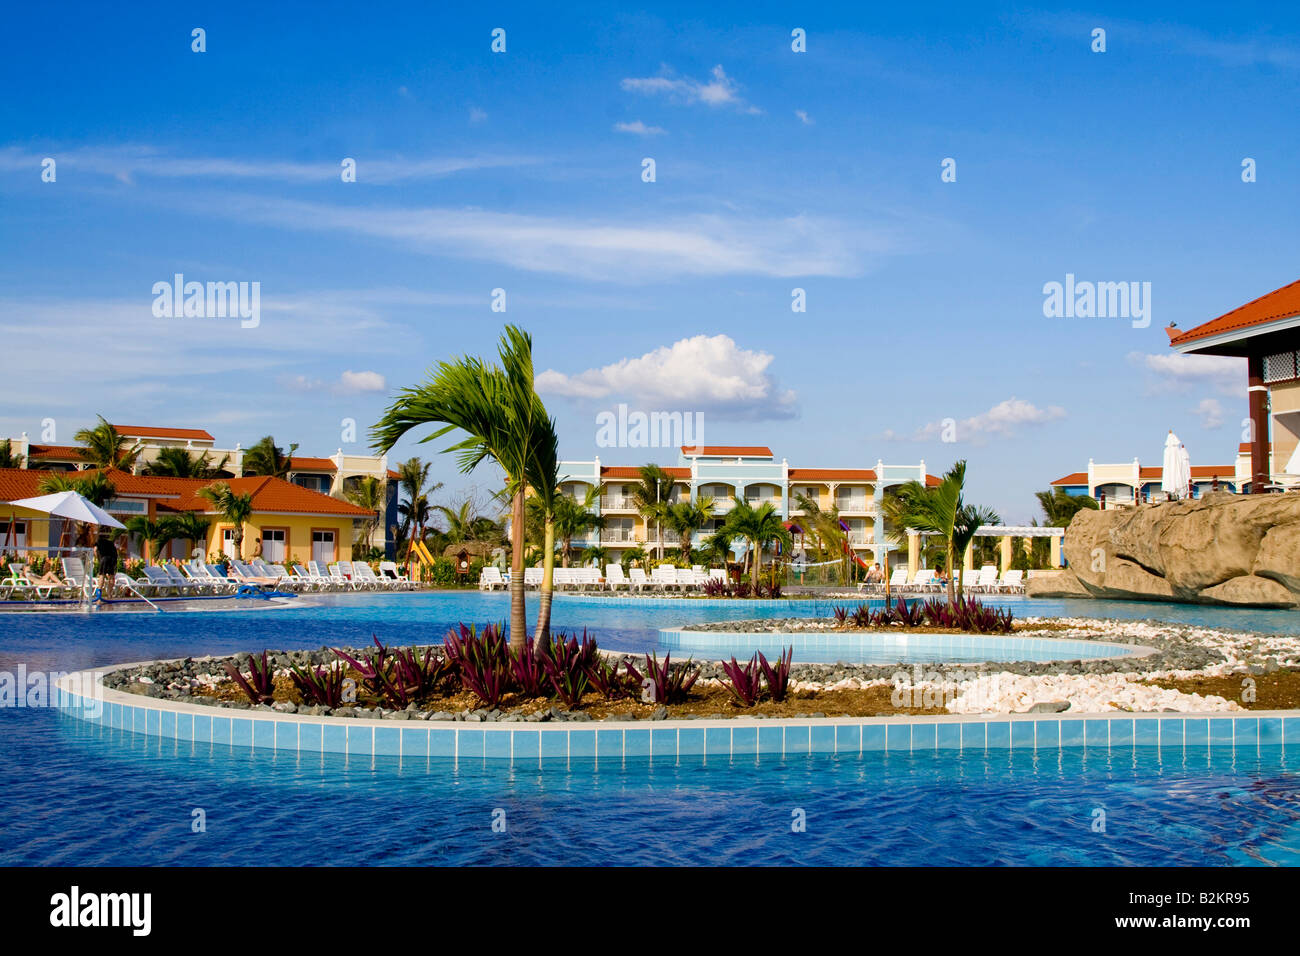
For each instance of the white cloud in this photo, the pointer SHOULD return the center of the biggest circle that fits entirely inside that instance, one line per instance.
(709, 374)
(362, 382)
(639, 128)
(1173, 371)
(610, 249)
(1210, 412)
(1003, 420)
(125, 164)
(718, 90)
(803, 117)
(477, 115)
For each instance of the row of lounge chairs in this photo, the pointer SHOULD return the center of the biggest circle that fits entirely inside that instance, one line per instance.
(664, 578)
(197, 578)
(984, 581)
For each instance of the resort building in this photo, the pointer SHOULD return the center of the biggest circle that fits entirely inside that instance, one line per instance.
(335, 475)
(1265, 332)
(725, 472)
(1123, 484)
(293, 523)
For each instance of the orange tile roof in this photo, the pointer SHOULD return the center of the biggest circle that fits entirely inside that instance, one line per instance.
(1074, 478)
(832, 474)
(38, 452)
(270, 495)
(299, 463)
(730, 451)
(149, 431)
(1283, 303)
(634, 471)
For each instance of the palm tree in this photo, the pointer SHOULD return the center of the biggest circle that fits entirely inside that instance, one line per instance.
(413, 482)
(1060, 507)
(827, 532)
(179, 463)
(717, 547)
(7, 457)
(687, 517)
(149, 533)
(268, 458)
(572, 518)
(106, 447)
(371, 494)
(596, 552)
(630, 555)
(232, 507)
(498, 410)
(652, 495)
(759, 526)
(187, 526)
(971, 518)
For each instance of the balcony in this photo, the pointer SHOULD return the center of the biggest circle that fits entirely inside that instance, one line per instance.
(617, 503)
(855, 506)
(618, 536)
(759, 502)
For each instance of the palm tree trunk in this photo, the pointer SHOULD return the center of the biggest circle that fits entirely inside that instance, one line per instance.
(518, 626)
(951, 595)
(758, 564)
(543, 632)
(961, 575)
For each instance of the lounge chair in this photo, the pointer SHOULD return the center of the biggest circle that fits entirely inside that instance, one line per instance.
(533, 577)
(1012, 582)
(489, 579)
(924, 581)
(664, 576)
(390, 570)
(637, 580)
(322, 575)
(615, 578)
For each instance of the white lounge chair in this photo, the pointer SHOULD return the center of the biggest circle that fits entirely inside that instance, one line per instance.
(489, 579)
(533, 577)
(637, 580)
(1012, 582)
(390, 570)
(664, 576)
(615, 578)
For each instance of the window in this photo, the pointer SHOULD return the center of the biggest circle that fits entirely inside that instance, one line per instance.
(1281, 367)
(322, 546)
(275, 545)
(228, 542)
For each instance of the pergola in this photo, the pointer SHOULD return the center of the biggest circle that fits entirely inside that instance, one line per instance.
(1266, 333)
(1004, 531)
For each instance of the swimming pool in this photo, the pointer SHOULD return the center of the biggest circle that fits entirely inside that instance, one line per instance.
(83, 793)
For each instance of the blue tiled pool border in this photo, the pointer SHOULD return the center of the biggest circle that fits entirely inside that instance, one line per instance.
(536, 744)
(996, 647)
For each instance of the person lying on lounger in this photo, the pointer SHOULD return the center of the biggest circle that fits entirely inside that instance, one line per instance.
(48, 579)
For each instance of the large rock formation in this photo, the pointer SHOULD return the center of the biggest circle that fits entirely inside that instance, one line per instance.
(1219, 549)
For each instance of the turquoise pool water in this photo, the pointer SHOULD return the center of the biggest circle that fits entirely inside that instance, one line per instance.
(79, 793)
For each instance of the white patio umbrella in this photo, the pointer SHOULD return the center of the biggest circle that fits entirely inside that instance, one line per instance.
(1184, 472)
(1171, 468)
(70, 505)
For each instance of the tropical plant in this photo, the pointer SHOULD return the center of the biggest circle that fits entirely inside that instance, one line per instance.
(8, 459)
(96, 487)
(717, 548)
(1060, 507)
(371, 494)
(969, 520)
(777, 677)
(567, 664)
(687, 517)
(259, 686)
(596, 554)
(527, 672)
(265, 457)
(185, 526)
(105, 447)
(233, 507)
(503, 419)
(744, 682)
(608, 681)
(319, 685)
(180, 463)
(482, 661)
(760, 526)
(413, 504)
(632, 554)
(149, 532)
(664, 683)
(652, 496)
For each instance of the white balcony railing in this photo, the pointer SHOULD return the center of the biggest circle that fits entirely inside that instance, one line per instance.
(618, 535)
(617, 503)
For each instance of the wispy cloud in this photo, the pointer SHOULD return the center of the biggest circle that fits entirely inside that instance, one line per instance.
(1174, 372)
(638, 128)
(129, 163)
(710, 374)
(1210, 412)
(1003, 420)
(612, 249)
(718, 90)
(804, 117)
(349, 383)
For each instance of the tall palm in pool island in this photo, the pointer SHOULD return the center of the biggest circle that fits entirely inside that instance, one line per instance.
(759, 526)
(940, 510)
(503, 420)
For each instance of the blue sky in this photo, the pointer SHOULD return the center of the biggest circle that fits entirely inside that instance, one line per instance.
(775, 170)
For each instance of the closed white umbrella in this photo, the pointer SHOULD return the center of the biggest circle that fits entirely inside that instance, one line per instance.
(1184, 471)
(1171, 468)
(70, 505)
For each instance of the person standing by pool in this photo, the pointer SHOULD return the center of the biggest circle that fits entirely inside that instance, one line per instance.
(257, 548)
(106, 551)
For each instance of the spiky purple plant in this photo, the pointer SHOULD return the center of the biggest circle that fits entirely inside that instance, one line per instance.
(259, 686)
(778, 677)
